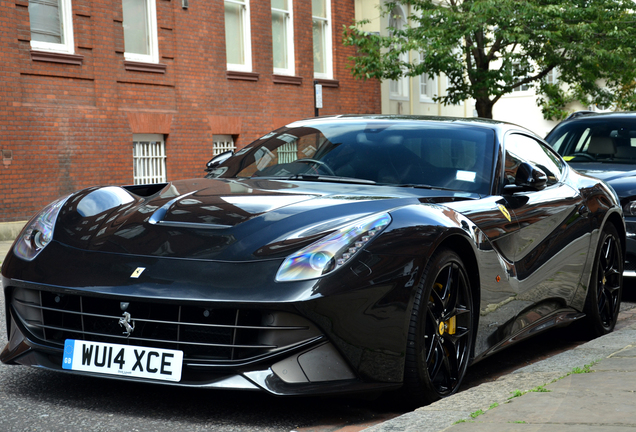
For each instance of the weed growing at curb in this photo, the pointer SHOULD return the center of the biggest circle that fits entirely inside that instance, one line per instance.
(538, 389)
(516, 393)
(541, 389)
(476, 414)
(586, 369)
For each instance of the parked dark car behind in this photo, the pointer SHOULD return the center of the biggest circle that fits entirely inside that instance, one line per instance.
(603, 145)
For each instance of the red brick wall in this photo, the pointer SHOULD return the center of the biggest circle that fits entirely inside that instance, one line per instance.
(70, 126)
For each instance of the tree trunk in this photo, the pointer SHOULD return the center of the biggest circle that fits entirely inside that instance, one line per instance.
(484, 107)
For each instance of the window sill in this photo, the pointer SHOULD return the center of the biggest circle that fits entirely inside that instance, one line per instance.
(145, 67)
(287, 79)
(243, 76)
(55, 57)
(327, 82)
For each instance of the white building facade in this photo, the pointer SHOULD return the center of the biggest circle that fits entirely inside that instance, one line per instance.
(414, 95)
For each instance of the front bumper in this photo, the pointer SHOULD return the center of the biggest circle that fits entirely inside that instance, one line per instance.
(237, 331)
(316, 368)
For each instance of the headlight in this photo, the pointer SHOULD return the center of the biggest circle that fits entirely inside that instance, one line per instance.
(38, 232)
(629, 209)
(333, 251)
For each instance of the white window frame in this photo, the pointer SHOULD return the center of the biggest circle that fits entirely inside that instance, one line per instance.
(328, 74)
(399, 89)
(222, 143)
(520, 88)
(149, 164)
(553, 76)
(153, 57)
(68, 47)
(289, 24)
(424, 80)
(427, 96)
(247, 38)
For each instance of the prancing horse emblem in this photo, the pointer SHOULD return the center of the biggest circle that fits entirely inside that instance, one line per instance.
(127, 324)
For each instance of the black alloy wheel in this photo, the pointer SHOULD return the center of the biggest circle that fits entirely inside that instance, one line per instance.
(606, 285)
(441, 330)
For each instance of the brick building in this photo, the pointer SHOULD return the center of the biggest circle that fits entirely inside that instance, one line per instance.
(122, 91)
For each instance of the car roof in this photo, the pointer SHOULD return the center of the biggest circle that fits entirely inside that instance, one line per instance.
(594, 116)
(496, 125)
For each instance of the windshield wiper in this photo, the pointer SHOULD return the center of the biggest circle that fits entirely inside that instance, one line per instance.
(332, 179)
(421, 186)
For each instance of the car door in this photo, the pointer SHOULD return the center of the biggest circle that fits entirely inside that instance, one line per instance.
(552, 241)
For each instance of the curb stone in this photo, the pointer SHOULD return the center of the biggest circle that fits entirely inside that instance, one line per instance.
(444, 413)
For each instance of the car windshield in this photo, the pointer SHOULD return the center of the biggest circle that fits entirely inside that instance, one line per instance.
(603, 140)
(400, 153)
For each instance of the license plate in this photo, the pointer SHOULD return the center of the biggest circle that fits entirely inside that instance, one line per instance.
(124, 360)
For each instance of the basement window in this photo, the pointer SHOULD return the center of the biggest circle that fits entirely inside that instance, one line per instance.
(149, 159)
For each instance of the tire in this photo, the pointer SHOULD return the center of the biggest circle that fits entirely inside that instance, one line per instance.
(604, 293)
(440, 332)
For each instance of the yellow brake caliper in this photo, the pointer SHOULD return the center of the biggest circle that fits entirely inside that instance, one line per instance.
(449, 326)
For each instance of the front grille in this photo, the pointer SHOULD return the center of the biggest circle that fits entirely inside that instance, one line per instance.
(204, 334)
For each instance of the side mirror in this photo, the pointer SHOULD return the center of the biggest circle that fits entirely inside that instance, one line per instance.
(528, 178)
(219, 159)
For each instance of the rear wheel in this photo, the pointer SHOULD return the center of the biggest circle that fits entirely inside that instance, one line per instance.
(606, 285)
(441, 330)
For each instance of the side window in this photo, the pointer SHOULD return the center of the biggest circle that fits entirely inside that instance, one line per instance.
(140, 31)
(520, 148)
(51, 25)
(238, 46)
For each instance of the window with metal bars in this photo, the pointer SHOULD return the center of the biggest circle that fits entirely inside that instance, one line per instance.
(149, 159)
(288, 153)
(222, 143)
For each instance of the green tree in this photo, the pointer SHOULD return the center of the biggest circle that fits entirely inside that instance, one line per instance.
(486, 48)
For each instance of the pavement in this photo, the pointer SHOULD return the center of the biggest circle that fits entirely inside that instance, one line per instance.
(5, 245)
(8, 232)
(589, 388)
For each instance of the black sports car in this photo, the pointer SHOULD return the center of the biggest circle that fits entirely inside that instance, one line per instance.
(337, 254)
(603, 145)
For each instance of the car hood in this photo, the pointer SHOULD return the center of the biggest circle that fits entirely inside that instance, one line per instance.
(622, 177)
(223, 219)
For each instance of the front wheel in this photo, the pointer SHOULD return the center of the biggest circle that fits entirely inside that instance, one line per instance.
(441, 330)
(603, 299)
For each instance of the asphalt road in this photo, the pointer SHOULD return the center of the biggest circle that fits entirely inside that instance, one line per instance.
(36, 400)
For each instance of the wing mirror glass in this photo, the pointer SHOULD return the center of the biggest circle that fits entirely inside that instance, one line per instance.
(219, 159)
(528, 178)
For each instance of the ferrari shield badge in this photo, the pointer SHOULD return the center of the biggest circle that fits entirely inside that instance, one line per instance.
(139, 270)
(504, 211)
